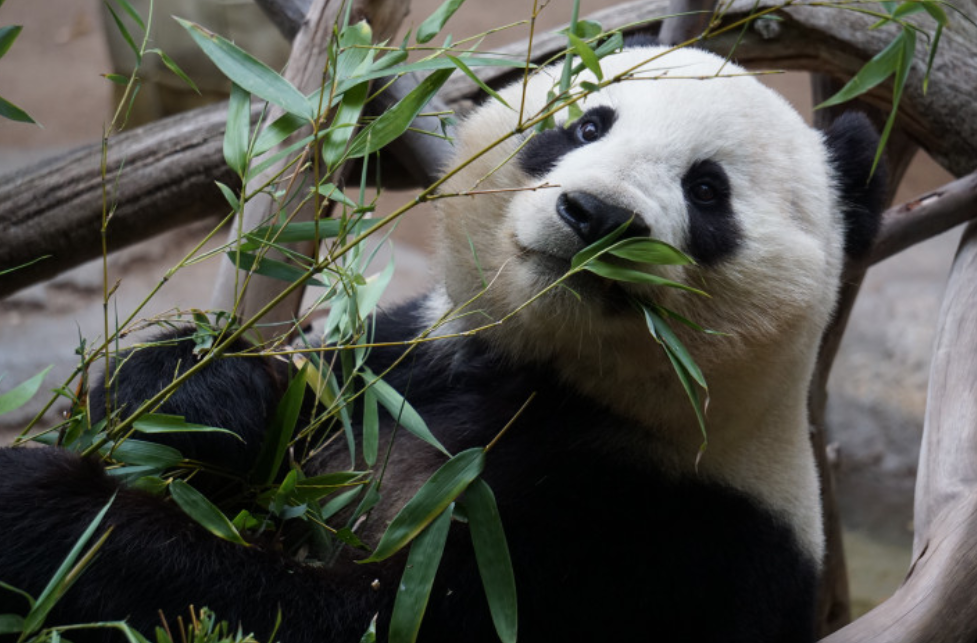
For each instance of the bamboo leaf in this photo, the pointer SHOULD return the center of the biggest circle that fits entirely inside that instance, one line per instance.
(277, 131)
(229, 196)
(173, 67)
(492, 555)
(630, 275)
(302, 231)
(432, 64)
(418, 579)
(11, 624)
(270, 267)
(125, 34)
(344, 124)
(666, 335)
(433, 24)
(142, 453)
(587, 55)
(475, 79)
(237, 130)
(598, 247)
(7, 37)
(132, 13)
(153, 423)
(395, 121)
(62, 579)
(11, 112)
(650, 251)
(402, 411)
(195, 505)
(371, 427)
(432, 498)
(279, 435)
(22, 393)
(875, 71)
(248, 72)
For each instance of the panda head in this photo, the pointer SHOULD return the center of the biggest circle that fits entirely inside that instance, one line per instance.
(692, 150)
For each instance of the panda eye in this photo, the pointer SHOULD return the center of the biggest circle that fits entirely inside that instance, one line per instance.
(704, 192)
(588, 131)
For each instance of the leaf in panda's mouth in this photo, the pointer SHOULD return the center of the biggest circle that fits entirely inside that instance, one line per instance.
(654, 252)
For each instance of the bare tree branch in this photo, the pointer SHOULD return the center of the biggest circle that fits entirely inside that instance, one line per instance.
(287, 15)
(936, 602)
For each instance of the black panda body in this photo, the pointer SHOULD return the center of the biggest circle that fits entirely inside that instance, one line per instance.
(592, 535)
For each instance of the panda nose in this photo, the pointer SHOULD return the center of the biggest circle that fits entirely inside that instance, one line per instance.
(592, 218)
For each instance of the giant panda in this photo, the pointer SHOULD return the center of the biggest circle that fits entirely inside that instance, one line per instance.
(619, 526)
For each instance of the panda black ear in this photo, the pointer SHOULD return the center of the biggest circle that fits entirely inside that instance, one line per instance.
(852, 141)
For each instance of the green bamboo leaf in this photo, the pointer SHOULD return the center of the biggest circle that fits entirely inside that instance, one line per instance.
(371, 427)
(368, 295)
(118, 79)
(475, 79)
(229, 195)
(237, 132)
(279, 435)
(932, 57)
(142, 453)
(619, 273)
(447, 483)
(153, 423)
(11, 112)
(492, 555)
(10, 588)
(664, 333)
(132, 13)
(11, 624)
(270, 268)
(936, 13)
(907, 41)
(598, 247)
(313, 490)
(125, 34)
(22, 393)
(333, 193)
(650, 251)
(248, 72)
(433, 24)
(686, 378)
(355, 55)
(587, 55)
(401, 410)
(395, 121)
(344, 124)
(7, 37)
(389, 59)
(173, 67)
(66, 574)
(418, 579)
(303, 231)
(277, 131)
(195, 504)
(587, 29)
(875, 71)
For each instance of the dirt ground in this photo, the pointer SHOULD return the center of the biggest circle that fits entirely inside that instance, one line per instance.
(53, 71)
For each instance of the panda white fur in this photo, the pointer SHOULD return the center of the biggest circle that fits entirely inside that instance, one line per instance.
(616, 532)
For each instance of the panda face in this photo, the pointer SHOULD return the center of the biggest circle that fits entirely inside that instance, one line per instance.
(718, 166)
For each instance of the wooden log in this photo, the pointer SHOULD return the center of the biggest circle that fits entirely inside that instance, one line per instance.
(936, 603)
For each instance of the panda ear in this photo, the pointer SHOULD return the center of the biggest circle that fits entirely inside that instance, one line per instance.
(852, 141)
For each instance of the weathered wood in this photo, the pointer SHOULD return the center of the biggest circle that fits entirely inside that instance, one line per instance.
(936, 603)
(286, 15)
(306, 66)
(167, 169)
(687, 19)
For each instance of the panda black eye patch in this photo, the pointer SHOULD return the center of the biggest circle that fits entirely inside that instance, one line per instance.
(545, 150)
(714, 231)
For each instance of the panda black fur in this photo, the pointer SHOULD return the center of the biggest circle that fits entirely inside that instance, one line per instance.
(615, 532)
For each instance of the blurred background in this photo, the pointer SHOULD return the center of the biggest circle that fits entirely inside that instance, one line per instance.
(54, 72)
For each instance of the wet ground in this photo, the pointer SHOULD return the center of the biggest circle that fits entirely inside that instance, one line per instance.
(877, 390)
